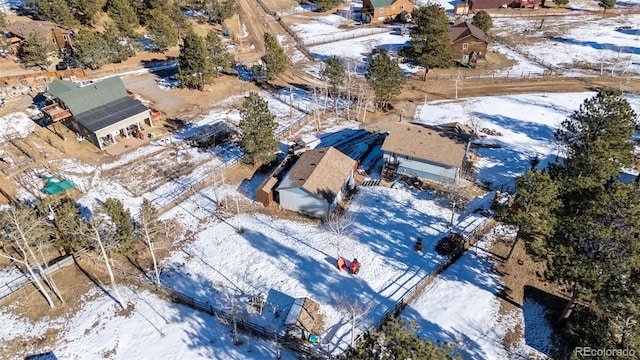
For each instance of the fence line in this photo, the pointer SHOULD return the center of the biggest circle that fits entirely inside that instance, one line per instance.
(24, 280)
(358, 33)
(413, 292)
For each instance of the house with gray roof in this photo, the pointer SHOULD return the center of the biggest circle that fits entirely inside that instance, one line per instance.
(317, 182)
(425, 152)
(59, 37)
(99, 112)
(380, 10)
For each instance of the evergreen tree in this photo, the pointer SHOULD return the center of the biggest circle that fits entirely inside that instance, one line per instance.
(35, 51)
(275, 59)
(218, 54)
(482, 20)
(179, 19)
(64, 215)
(4, 41)
(195, 69)
(399, 340)
(324, 5)
(56, 11)
(88, 10)
(606, 5)
(120, 231)
(334, 72)
(120, 48)
(386, 78)
(90, 49)
(162, 31)
(562, 2)
(257, 125)
(430, 45)
(534, 210)
(588, 239)
(123, 15)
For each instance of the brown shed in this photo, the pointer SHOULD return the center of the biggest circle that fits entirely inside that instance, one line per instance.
(304, 319)
(380, 10)
(468, 42)
(264, 194)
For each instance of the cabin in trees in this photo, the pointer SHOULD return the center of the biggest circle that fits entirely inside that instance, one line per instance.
(380, 10)
(468, 43)
(317, 182)
(98, 112)
(435, 154)
(19, 31)
(477, 5)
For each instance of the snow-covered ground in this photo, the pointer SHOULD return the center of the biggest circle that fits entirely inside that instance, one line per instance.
(461, 305)
(526, 124)
(16, 125)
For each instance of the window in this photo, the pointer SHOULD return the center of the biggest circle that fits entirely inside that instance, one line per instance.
(465, 46)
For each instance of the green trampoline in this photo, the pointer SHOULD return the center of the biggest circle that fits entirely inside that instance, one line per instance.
(55, 186)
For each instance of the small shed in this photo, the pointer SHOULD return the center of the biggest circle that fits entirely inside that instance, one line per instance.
(264, 194)
(303, 319)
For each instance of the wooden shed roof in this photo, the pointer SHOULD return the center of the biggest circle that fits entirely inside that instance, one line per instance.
(321, 171)
(465, 29)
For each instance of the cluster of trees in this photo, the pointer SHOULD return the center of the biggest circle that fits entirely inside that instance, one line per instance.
(164, 24)
(201, 59)
(578, 217)
(399, 339)
(33, 235)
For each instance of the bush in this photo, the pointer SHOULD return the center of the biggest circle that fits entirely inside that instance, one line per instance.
(447, 246)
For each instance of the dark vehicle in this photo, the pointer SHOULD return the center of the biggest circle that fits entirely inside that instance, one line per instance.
(62, 66)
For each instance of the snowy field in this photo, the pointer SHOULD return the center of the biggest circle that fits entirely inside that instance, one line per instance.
(526, 124)
(443, 311)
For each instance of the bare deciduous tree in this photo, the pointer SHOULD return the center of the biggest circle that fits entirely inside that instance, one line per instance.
(339, 226)
(20, 229)
(355, 308)
(150, 227)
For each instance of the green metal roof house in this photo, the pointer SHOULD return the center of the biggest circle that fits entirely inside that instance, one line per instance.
(98, 111)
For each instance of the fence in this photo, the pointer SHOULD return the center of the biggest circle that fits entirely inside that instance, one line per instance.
(412, 293)
(24, 280)
(526, 55)
(358, 33)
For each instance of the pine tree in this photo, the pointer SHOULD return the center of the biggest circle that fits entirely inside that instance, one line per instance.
(386, 78)
(482, 20)
(64, 215)
(534, 210)
(90, 49)
(335, 73)
(56, 11)
(120, 233)
(3, 20)
(275, 59)
(218, 54)
(596, 141)
(399, 340)
(430, 45)
(195, 70)
(606, 5)
(87, 10)
(123, 15)
(119, 48)
(162, 30)
(324, 5)
(35, 51)
(562, 2)
(257, 125)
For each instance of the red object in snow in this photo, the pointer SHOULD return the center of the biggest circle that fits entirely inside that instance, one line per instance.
(342, 264)
(355, 266)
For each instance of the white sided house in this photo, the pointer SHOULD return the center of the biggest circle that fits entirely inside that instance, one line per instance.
(427, 153)
(317, 182)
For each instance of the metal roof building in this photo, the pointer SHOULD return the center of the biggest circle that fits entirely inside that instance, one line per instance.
(99, 111)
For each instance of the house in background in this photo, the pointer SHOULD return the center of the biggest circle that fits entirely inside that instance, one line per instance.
(98, 112)
(427, 153)
(380, 10)
(476, 5)
(317, 182)
(468, 43)
(59, 37)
